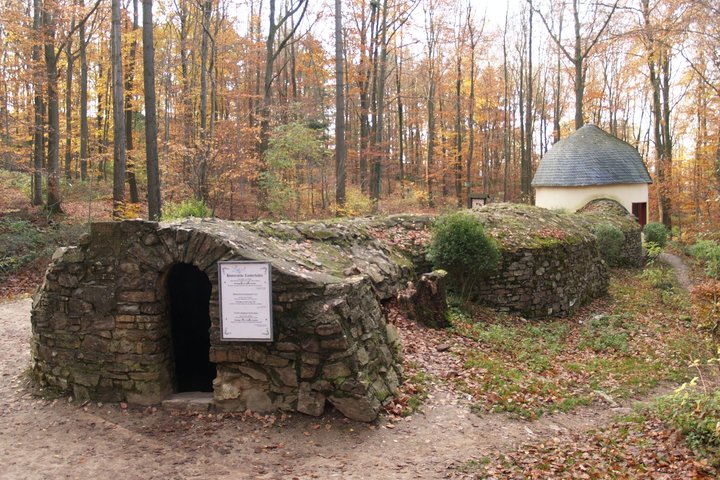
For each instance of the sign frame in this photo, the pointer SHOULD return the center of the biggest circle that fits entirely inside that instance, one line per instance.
(265, 312)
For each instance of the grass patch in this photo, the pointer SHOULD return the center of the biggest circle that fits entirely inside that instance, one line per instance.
(529, 368)
(606, 333)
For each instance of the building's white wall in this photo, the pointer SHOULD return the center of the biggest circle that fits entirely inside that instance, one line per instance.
(574, 198)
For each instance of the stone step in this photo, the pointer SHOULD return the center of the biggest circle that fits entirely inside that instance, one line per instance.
(189, 402)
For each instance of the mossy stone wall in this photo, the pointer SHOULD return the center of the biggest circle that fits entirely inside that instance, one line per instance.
(101, 327)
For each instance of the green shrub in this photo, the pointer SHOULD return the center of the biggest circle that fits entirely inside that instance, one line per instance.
(702, 248)
(697, 415)
(659, 278)
(462, 248)
(656, 233)
(186, 208)
(610, 241)
(708, 251)
(653, 251)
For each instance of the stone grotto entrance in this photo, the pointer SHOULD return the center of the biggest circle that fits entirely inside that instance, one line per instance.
(132, 313)
(188, 302)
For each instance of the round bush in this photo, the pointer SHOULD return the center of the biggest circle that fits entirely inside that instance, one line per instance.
(610, 241)
(656, 233)
(462, 248)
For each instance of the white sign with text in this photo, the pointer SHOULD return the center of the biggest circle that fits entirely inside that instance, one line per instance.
(246, 301)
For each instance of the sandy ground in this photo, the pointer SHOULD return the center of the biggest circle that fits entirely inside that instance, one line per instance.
(54, 439)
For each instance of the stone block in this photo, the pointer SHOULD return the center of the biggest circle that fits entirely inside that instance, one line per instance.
(311, 344)
(95, 343)
(257, 400)
(255, 373)
(309, 401)
(307, 371)
(327, 329)
(339, 343)
(288, 376)
(287, 347)
(88, 379)
(137, 296)
(68, 281)
(336, 370)
(275, 361)
(363, 409)
(310, 358)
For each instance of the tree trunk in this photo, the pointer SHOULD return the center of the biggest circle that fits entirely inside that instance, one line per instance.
(506, 112)
(401, 126)
(364, 86)
(458, 125)
(119, 147)
(556, 106)
(201, 189)
(151, 129)
(84, 154)
(70, 67)
(526, 168)
(378, 151)
(658, 59)
(431, 140)
(53, 180)
(39, 108)
(471, 114)
(129, 113)
(340, 150)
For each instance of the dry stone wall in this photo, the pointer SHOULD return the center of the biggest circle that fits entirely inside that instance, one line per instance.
(101, 327)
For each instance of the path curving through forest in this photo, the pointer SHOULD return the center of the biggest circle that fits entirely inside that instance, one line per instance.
(682, 272)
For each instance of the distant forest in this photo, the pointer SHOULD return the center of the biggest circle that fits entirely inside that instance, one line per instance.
(304, 109)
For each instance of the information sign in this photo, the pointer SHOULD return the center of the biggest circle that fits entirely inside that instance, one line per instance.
(246, 301)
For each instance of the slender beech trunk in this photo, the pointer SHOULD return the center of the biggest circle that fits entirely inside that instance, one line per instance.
(70, 68)
(129, 111)
(659, 75)
(201, 189)
(119, 147)
(379, 150)
(401, 126)
(84, 153)
(556, 107)
(578, 63)
(39, 107)
(526, 173)
(471, 113)
(340, 150)
(458, 124)
(366, 42)
(506, 112)
(151, 128)
(54, 199)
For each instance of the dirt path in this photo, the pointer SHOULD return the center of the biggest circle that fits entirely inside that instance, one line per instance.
(682, 272)
(54, 439)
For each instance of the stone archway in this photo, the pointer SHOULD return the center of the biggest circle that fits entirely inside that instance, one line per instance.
(188, 291)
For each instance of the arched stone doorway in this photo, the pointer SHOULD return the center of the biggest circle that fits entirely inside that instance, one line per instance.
(188, 294)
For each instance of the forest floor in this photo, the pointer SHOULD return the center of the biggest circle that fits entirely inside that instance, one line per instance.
(450, 420)
(494, 396)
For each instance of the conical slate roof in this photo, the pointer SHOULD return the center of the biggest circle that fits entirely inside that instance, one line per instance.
(590, 156)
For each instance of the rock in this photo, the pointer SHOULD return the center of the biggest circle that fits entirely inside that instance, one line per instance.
(310, 402)
(357, 408)
(426, 302)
